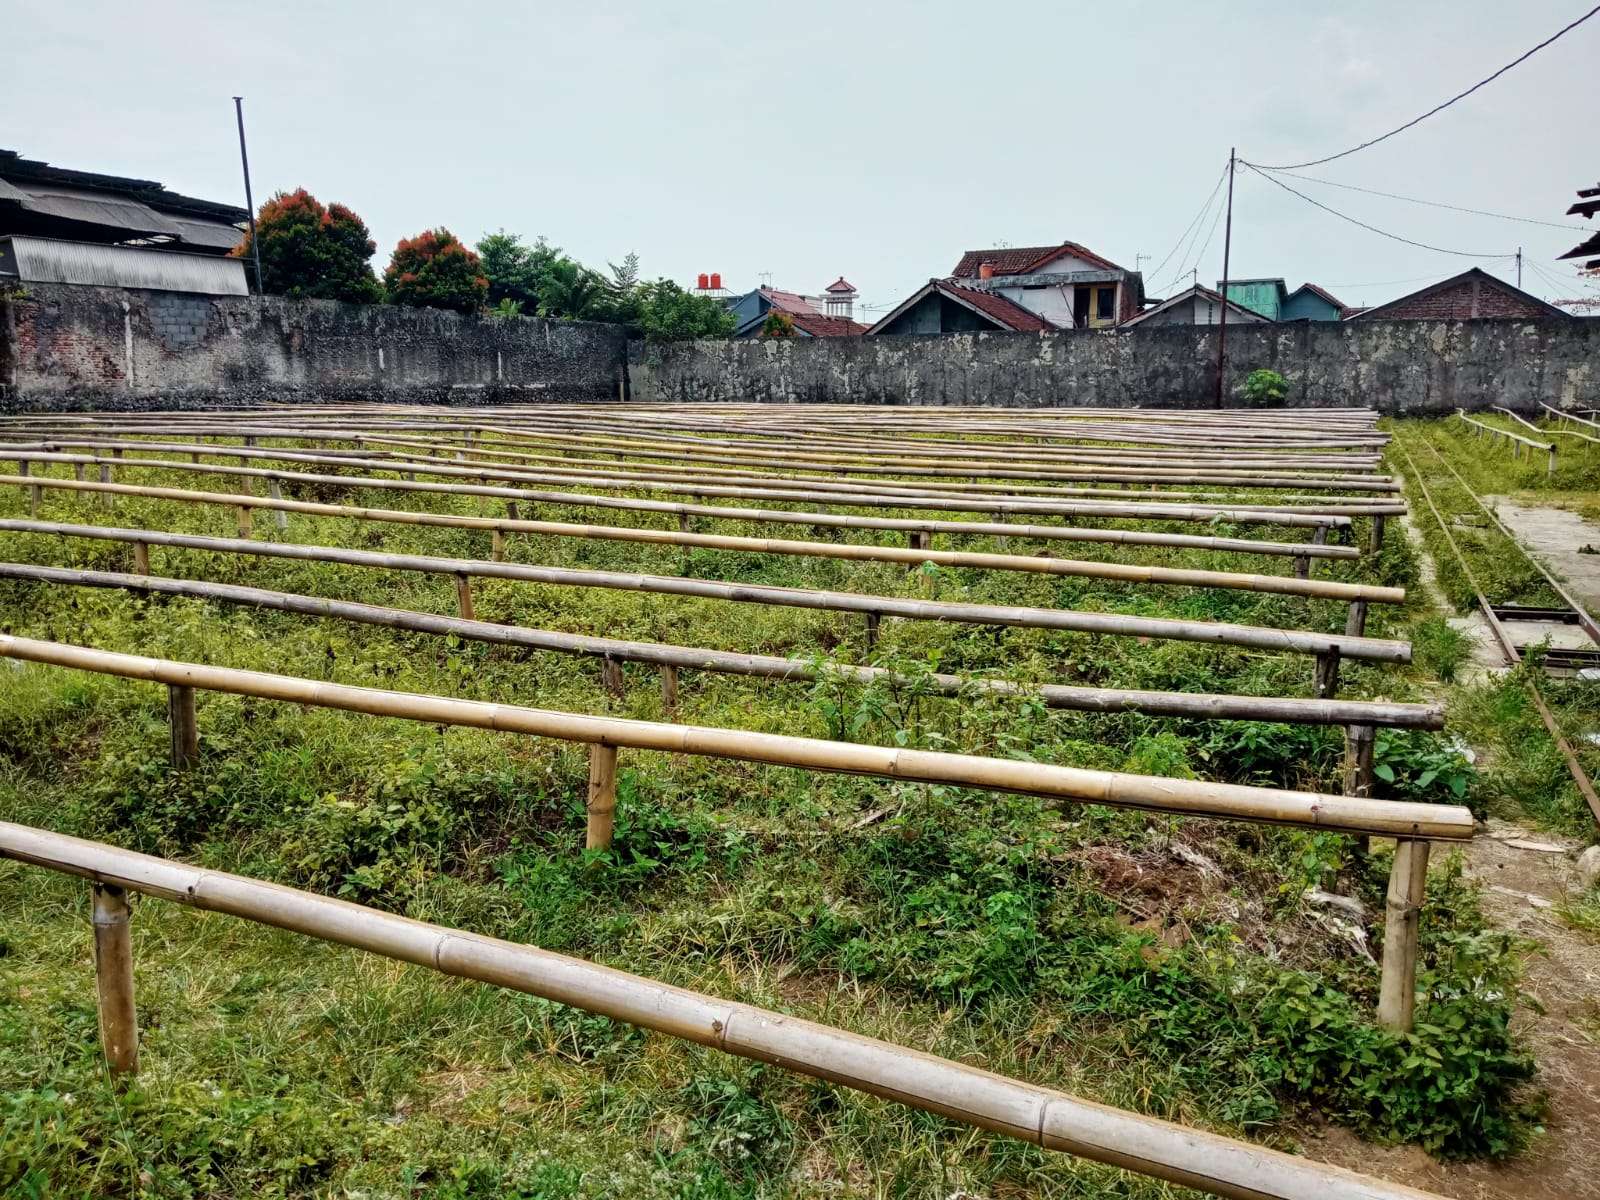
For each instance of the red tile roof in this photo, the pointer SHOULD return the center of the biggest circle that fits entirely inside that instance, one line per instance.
(996, 307)
(789, 302)
(1021, 260)
(839, 285)
(818, 325)
(1308, 286)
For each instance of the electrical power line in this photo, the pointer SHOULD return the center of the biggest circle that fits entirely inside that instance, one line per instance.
(1371, 228)
(1414, 279)
(1441, 107)
(1206, 245)
(1198, 217)
(1478, 212)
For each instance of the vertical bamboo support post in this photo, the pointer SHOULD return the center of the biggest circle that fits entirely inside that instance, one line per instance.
(601, 805)
(1408, 879)
(1355, 624)
(141, 559)
(113, 977)
(1376, 543)
(1358, 744)
(685, 525)
(497, 546)
(872, 631)
(669, 691)
(246, 523)
(185, 727)
(464, 598)
(1325, 683)
(511, 510)
(1552, 471)
(35, 498)
(1002, 541)
(78, 472)
(611, 677)
(105, 477)
(275, 490)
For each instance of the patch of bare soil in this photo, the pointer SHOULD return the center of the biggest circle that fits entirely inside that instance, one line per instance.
(1521, 886)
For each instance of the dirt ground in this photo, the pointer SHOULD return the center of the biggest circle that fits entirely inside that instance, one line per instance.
(1522, 885)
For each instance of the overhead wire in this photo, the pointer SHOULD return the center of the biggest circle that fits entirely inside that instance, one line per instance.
(1350, 187)
(1272, 179)
(1198, 217)
(1414, 279)
(1438, 108)
(1210, 234)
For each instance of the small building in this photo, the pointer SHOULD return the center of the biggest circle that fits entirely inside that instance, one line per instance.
(1308, 302)
(945, 306)
(1067, 284)
(750, 311)
(64, 226)
(1198, 305)
(1470, 295)
(1273, 300)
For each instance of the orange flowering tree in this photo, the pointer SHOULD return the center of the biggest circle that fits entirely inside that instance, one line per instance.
(308, 249)
(434, 270)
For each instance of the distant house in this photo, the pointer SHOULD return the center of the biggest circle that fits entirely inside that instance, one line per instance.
(1022, 288)
(829, 315)
(63, 226)
(945, 306)
(1198, 305)
(1471, 294)
(1273, 300)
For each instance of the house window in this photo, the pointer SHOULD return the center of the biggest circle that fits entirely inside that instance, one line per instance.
(1106, 304)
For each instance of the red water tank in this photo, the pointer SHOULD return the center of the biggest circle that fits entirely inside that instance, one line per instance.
(716, 281)
(702, 283)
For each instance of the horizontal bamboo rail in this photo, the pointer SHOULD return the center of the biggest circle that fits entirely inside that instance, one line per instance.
(1116, 624)
(1193, 705)
(1306, 810)
(1563, 415)
(1159, 576)
(966, 1094)
(632, 504)
(1516, 439)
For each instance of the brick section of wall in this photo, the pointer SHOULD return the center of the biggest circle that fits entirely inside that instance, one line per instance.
(1467, 299)
(69, 347)
(1414, 367)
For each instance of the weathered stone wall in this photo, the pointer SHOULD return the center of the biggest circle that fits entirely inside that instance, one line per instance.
(1411, 367)
(68, 347)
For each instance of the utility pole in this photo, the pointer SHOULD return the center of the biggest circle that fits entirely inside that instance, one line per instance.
(249, 200)
(1519, 266)
(1227, 252)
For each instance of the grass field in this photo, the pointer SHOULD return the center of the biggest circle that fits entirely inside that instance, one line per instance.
(1169, 967)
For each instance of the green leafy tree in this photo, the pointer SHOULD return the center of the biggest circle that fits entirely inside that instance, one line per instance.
(312, 250)
(778, 325)
(571, 290)
(667, 313)
(434, 270)
(513, 268)
(626, 277)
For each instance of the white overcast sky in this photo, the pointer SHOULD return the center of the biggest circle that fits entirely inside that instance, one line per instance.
(876, 139)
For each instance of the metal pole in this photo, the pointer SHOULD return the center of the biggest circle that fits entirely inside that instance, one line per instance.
(249, 200)
(1227, 254)
(1519, 266)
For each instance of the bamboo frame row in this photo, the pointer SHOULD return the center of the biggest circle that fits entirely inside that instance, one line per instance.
(1192, 705)
(1114, 624)
(1159, 576)
(1048, 1118)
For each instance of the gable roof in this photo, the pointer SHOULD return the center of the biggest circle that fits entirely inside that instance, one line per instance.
(818, 325)
(991, 306)
(1189, 293)
(1024, 260)
(839, 285)
(789, 302)
(1316, 291)
(1477, 273)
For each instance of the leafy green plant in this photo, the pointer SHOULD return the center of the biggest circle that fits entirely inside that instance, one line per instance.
(312, 250)
(1412, 764)
(1264, 387)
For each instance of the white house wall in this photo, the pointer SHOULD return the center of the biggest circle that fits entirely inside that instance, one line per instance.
(1054, 304)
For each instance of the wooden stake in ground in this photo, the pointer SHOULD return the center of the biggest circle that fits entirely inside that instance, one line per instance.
(669, 691)
(602, 803)
(113, 974)
(1408, 879)
(185, 727)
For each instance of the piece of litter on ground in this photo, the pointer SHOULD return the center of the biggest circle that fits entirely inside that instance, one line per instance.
(1541, 847)
(1535, 901)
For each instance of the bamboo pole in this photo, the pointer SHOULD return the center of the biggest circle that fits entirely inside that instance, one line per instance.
(185, 726)
(611, 677)
(669, 691)
(246, 524)
(113, 976)
(967, 1094)
(1325, 681)
(601, 805)
(1067, 784)
(141, 558)
(1375, 545)
(1170, 576)
(275, 492)
(1408, 878)
(1163, 628)
(464, 597)
(1355, 624)
(1358, 744)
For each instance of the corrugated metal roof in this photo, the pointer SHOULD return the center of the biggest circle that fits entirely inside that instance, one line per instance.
(46, 260)
(97, 209)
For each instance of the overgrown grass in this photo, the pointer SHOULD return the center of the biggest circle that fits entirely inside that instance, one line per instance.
(1080, 947)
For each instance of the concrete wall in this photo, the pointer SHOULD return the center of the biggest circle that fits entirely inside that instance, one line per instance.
(1412, 367)
(67, 347)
